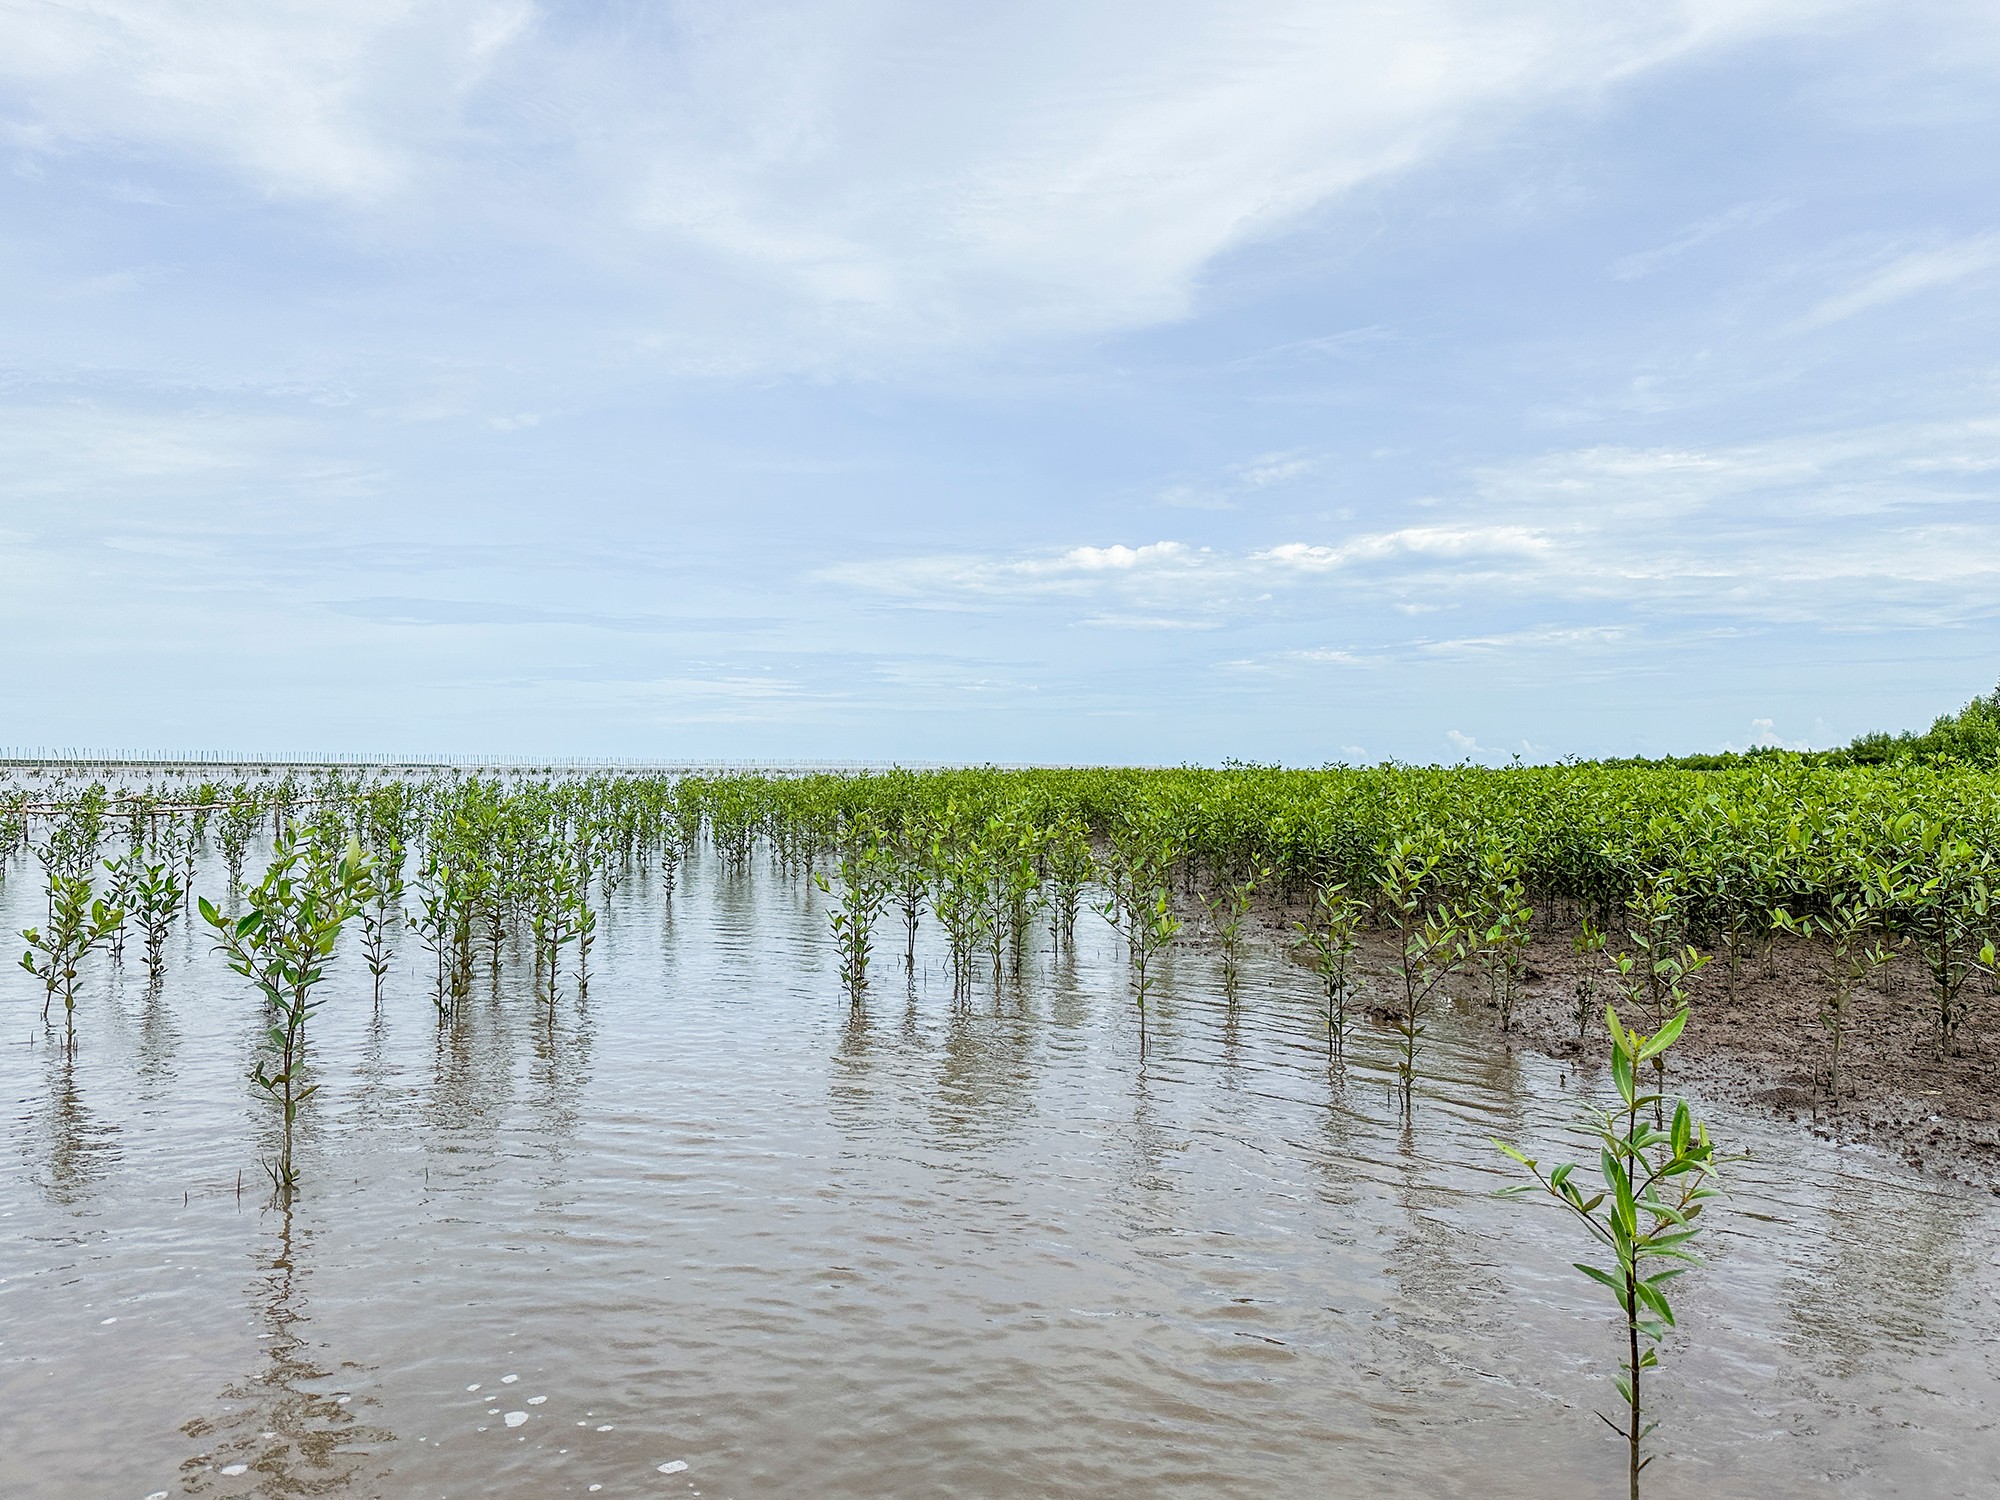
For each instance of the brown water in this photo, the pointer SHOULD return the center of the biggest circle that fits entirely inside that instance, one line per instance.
(712, 1219)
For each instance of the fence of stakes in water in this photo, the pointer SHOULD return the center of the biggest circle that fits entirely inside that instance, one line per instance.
(708, 1231)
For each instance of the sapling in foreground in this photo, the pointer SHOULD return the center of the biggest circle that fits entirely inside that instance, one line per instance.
(123, 876)
(865, 875)
(156, 896)
(77, 925)
(906, 853)
(1431, 945)
(1140, 909)
(281, 944)
(382, 895)
(1655, 1182)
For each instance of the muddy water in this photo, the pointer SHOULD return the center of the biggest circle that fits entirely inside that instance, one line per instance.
(708, 1218)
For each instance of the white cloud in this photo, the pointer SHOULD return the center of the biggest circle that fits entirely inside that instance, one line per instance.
(1265, 472)
(1908, 275)
(1076, 570)
(339, 100)
(1888, 527)
(1764, 735)
(1513, 642)
(1276, 468)
(857, 172)
(1118, 557)
(1646, 262)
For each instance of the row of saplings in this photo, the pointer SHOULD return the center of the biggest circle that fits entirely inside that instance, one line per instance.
(987, 881)
(339, 862)
(1452, 901)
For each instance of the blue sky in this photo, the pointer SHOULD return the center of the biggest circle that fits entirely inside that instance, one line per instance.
(1138, 382)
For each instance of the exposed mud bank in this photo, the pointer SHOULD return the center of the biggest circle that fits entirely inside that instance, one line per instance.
(1761, 1040)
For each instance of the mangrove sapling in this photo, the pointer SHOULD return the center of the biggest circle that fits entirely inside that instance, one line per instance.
(1069, 866)
(1330, 935)
(1851, 952)
(1588, 944)
(1655, 982)
(1431, 945)
(1656, 1181)
(78, 924)
(1504, 921)
(1147, 922)
(586, 936)
(557, 916)
(240, 820)
(1944, 892)
(958, 872)
(124, 875)
(865, 876)
(381, 892)
(908, 884)
(157, 898)
(1228, 910)
(432, 924)
(282, 943)
(1018, 889)
(178, 847)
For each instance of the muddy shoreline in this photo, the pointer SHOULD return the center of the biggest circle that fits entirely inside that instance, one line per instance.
(1762, 1045)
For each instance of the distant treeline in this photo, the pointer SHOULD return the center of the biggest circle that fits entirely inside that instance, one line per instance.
(1970, 737)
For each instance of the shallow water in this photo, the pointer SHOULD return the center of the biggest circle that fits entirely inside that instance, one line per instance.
(710, 1218)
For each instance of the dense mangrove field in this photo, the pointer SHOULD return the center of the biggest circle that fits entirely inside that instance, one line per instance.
(1001, 1131)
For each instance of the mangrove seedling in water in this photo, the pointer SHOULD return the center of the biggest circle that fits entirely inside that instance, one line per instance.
(156, 896)
(281, 944)
(865, 878)
(124, 874)
(78, 924)
(1655, 1183)
(1228, 911)
(1330, 935)
(1069, 866)
(1140, 909)
(910, 885)
(1431, 946)
(1150, 926)
(382, 893)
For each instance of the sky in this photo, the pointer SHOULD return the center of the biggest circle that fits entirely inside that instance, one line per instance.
(918, 380)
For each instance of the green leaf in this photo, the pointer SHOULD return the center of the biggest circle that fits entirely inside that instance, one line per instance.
(1651, 1296)
(1665, 1037)
(1621, 1073)
(1603, 1277)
